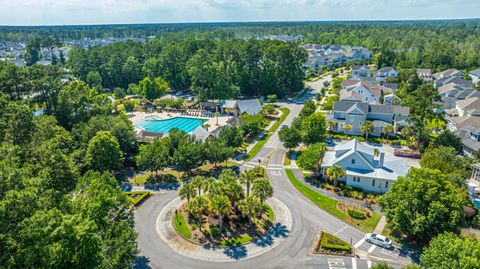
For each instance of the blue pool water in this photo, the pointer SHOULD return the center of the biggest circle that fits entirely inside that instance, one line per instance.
(164, 126)
(476, 203)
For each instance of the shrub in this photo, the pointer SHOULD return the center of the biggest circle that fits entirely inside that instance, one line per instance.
(259, 171)
(331, 242)
(272, 98)
(136, 197)
(357, 214)
(214, 231)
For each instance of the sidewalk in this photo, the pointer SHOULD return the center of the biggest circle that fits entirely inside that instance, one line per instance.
(299, 175)
(380, 226)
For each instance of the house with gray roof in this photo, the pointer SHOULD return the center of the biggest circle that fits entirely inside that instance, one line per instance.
(361, 91)
(475, 75)
(355, 113)
(470, 137)
(361, 70)
(239, 107)
(363, 169)
(455, 80)
(382, 74)
(447, 73)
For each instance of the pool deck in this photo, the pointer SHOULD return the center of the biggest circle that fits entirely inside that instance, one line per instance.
(136, 117)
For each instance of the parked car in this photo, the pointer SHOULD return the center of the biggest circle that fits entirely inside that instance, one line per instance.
(235, 169)
(379, 240)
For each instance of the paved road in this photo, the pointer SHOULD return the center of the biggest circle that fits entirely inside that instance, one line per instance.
(293, 252)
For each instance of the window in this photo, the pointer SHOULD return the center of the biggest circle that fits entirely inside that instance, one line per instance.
(358, 179)
(353, 161)
(386, 184)
(373, 182)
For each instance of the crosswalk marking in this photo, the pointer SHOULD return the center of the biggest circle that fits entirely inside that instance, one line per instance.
(354, 263)
(359, 243)
(370, 250)
(369, 263)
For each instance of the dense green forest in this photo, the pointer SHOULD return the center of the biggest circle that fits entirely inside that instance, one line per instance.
(213, 69)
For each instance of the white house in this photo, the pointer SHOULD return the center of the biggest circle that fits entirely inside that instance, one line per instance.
(360, 90)
(363, 169)
(475, 75)
(361, 70)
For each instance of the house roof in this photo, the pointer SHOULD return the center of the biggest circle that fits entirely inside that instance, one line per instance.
(200, 133)
(455, 80)
(392, 86)
(350, 95)
(475, 72)
(464, 135)
(392, 166)
(344, 106)
(461, 122)
(469, 103)
(229, 104)
(249, 106)
(386, 69)
(446, 88)
(375, 90)
(447, 73)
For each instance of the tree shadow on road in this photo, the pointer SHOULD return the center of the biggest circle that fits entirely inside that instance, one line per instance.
(141, 262)
(278, 230)
(236, 253)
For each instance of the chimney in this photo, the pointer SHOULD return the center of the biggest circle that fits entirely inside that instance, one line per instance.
(382, 159)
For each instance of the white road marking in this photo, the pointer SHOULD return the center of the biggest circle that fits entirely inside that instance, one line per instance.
(359, 243)
(276, 173)
(341, 230)
(274, 168)
(336, 264)
(370, 250)
(369, 263)
(275, 165)
(354, 263)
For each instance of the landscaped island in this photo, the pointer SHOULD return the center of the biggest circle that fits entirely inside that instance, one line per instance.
(220, 211)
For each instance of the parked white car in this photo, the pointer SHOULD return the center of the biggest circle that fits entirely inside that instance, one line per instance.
(379, 240)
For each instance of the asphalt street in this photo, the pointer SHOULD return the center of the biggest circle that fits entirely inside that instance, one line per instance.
(293, 252)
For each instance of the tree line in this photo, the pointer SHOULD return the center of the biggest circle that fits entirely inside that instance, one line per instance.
(211, 68)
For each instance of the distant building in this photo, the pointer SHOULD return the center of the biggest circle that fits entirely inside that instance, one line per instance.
(475, 75)
(425, 74)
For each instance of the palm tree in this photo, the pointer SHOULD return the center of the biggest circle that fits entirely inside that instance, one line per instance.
(347, 128)
(234, 192)
(388, 129)
(216, 188)
(250, 207)
(330, 125)
(367, 128)
(221, 206)
(227, 176)
(206, 126)
(199, 183)
(187, 191)
(247, 178)
(335, 172)
(198, 206)
(262, 189)
(216, 115)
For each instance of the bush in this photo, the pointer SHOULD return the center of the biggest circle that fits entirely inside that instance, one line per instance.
(214, 231)
(272, 98)
(357, 214)
(136, 197)
(331, 242)
(260, 171)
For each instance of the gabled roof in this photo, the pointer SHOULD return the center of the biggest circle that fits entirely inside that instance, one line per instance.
(350, 95)
(446, 88)
(200, 133)
(447, 73)
(386, 69)
(461, 122)
(455, 80)
(469, 103)
(357, 108)
(475, 72)
(250, 106)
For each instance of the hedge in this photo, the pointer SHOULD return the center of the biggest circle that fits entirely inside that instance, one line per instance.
(357, 214)
(141, 195)
(334, 243)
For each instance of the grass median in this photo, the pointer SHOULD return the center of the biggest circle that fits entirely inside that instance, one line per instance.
(330, 205)
(259, 145)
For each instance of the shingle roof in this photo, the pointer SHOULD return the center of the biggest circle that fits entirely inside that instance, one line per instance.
(469, 103)
(475, 72)
(446, 73)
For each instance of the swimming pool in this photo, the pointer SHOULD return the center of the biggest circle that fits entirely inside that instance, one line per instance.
(476, 203)
(165, 125)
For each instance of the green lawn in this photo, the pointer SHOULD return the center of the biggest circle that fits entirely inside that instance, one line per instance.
(330, 205)
(181, 225)
(254, 151)
(236, 241)
(269, 212)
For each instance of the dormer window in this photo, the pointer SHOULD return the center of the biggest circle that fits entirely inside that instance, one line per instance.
(353, 161)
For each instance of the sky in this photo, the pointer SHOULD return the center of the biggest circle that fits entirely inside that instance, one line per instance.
(68, 12)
